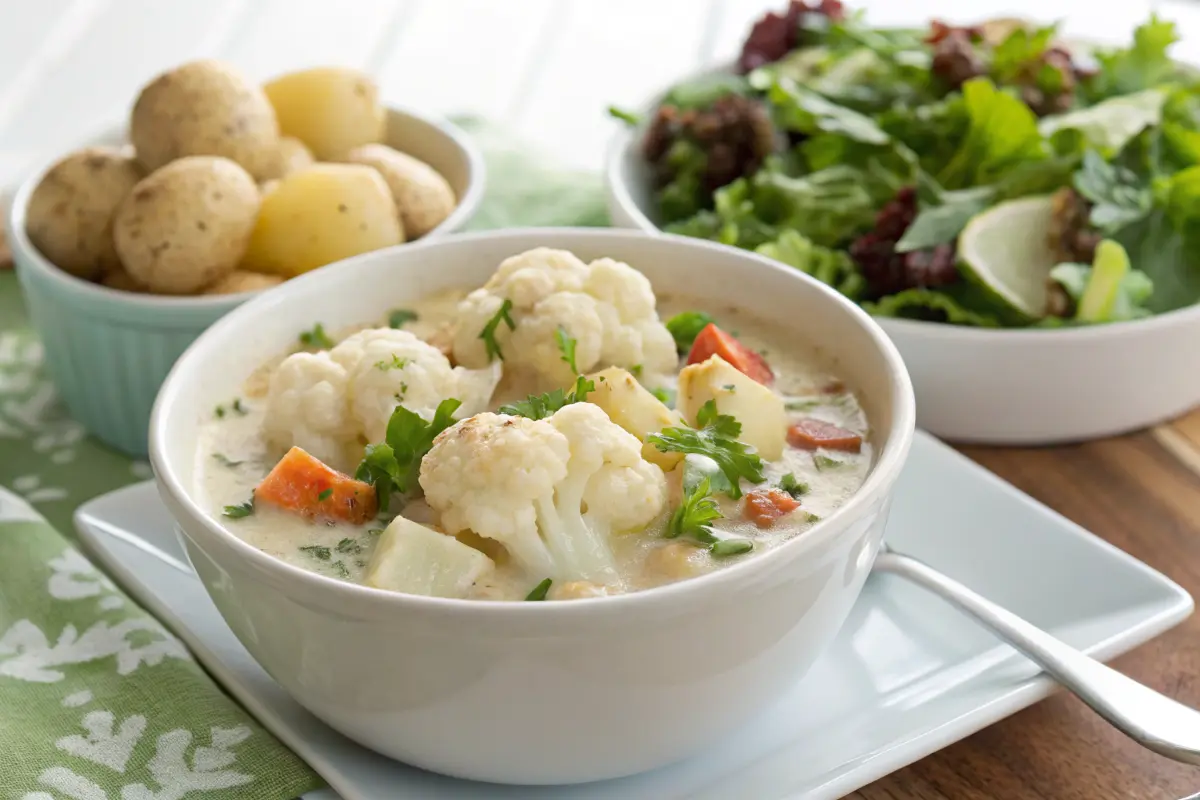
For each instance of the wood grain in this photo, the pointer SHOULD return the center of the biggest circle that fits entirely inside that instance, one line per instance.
(1141, 493)
(5, 253)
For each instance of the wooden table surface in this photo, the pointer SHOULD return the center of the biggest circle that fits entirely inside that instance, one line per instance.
(1142, 493)
(553, 67)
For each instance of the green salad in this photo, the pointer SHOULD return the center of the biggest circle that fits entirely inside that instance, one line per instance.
(990, 175)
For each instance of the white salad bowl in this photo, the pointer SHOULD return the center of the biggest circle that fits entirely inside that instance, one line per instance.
(996, 386)
(551, 692)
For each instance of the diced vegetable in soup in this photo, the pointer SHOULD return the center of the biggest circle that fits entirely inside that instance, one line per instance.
(558, 433)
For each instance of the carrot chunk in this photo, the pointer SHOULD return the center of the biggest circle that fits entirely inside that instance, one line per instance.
(764, 506)
(305, 485)
(809, 434)
(712, 341)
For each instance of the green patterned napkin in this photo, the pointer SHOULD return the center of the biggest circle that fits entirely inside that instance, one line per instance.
(97, 700)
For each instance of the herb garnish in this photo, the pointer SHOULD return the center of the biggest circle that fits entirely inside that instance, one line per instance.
(349, 545)
(219, 411)
(317, 551)
(488, 334)
(665, 396)
(694, 513)
(539, 591)
(316, 338)
(566, 346)
(242, 510)
(793, 486)
(396, 362)
(540, 406)
(340, 568)
(716, 438)
(400, 316)
(237, 406)
(325, 495)
(823, 462)
(628, 117)
(226, 461)
(686, 326)
(392, 465)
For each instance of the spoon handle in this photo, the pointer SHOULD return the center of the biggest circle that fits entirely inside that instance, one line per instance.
(1149, 718)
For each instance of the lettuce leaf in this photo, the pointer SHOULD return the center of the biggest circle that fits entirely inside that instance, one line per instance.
(804, 111)
(1107, 126)
(1169, 258)
(1002, 133)
(1143, 65)
(833, 267)
(930, 305)
(1118, 196)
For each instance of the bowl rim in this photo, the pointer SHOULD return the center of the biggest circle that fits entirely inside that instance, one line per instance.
(327, 591)
(113, 134)
(626, 139)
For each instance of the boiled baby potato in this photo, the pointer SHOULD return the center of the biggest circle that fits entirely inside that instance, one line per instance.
(422, 195)
(205, 108)
(71, 211)
(119, 279)
(634, 408)
(320, 215)
(330, 109)
(186, 225)
(242, 281)
(293, 157)
(760, 410)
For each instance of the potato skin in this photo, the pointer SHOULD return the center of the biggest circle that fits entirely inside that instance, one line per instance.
(205, 108)
(320, 215)
(186, 225)
(294, 156)
(330, 109)
(422, 195)
(120, 279)
(70, 213)
(242, 281)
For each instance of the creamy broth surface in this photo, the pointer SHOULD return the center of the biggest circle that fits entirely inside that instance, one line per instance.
(234, 457)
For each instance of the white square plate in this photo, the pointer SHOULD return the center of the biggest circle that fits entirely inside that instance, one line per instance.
(906, 676)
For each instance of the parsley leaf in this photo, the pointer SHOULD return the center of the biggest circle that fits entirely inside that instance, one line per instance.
(325, 495)
(540, 406)
(392, 465)
(731, 547)
(566, 346)
(686, 326)
(400, 316)
(694, 513)
(396, 362)
(340, 568)
(539, 591)
(793, 486)
(349, 545)
(716, 438)
(241, 510)
(317, 338)
(1118, 197)
(317, 551)
(226, 461)
(665, 396)
(488, 334)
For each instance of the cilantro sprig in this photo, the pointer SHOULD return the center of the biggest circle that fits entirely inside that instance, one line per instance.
(316, 338)
(717, 438)
(540, 406)
(392, 465)
(694, 515)
(566, 346)
(488, 334)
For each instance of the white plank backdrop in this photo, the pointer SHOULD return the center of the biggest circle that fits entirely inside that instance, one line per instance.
(545, 68)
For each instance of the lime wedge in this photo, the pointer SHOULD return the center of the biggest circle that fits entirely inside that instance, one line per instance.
(1006, 251)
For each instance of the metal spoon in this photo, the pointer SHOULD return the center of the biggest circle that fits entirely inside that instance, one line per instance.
(1149, 718)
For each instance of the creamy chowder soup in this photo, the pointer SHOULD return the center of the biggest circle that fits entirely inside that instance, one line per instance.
(557, 433)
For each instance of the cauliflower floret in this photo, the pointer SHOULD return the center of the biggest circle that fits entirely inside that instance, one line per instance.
(306, 406)
(606, 306)
(552, 491)
(387, 367)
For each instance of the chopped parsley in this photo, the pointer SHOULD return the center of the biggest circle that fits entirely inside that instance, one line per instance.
(636, 370)
(226, 461)
(803, 403)
(686, 326)
(392, 465)
(375, 531)
(242, 510)
(540, 406)
(716, 438)
(488, 334)
(349, 545)
(237, 407)
(731, 547)
(396, 362)
(824, 462)
(729, 387)
(325, 495)
(539, 591)
(317, 551)
(665, 396)
(340, 568)
(316, 338)
(566, 346)
(399, 317)
(792, 485)
(691, 518)
(220, 412)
